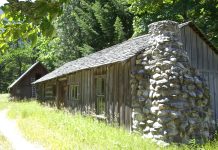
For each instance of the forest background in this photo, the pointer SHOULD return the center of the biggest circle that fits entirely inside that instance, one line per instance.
(58, 31)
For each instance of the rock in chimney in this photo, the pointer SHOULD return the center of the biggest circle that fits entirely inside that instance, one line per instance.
(173, 104)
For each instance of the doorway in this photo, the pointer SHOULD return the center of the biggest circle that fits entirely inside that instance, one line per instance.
(62, 93)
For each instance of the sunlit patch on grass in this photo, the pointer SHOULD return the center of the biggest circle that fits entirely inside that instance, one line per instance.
(4, 143)
(58, 129)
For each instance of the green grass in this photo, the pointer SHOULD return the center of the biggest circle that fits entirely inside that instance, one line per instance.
(4, 101)
(4, 143)
(61, 130)
(58, 129)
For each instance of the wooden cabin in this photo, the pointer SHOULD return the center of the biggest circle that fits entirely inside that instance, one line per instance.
(100, 83)
(23, 87)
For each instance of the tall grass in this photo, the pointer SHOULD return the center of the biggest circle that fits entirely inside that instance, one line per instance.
(58, 129)
(4, 143)
(4, 101)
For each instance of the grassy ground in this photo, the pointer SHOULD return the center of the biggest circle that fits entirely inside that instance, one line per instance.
(3, 101)
(60, 130)
(4, 143)
(56, 129)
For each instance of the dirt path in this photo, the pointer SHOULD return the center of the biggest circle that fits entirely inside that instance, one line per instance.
(9, 129)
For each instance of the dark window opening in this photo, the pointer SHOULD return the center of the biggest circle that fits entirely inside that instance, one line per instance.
(38, 76)
(100, 96)
(54, 90)
(75, 92)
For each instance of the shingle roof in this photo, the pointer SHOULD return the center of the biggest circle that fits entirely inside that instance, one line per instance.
(23, 75)
(116, 53)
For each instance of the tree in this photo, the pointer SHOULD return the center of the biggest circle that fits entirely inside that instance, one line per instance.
(21, 55)
(201, 12)
(14, 62)
(19, 21)
(119, 33)
(87, 26)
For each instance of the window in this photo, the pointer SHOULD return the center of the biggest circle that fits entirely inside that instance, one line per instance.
(75, 92)
(100, 95)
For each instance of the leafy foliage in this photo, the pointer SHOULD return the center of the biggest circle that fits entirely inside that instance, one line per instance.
(63, 30)
(19, 21)
(87, 26)
(119, 33)
(14, 62)
(21, 55)
(201, 12)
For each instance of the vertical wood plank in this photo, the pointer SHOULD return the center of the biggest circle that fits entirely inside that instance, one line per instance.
(216, 61)
(107, 90)
(194, 55)
(85, 90)
(129, 98)
(58, 94)
(182, 35)
(213, 61)
(188, 41)
(110, 92)
(91, 91)
(116, 96)
(81, 90)
(209, 58)
(205, 58)
(94, 89)
(126, 94)
(199, 45)
(216, 96)
(121, 80)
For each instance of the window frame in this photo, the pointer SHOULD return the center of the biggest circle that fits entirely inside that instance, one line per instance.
(74, 89)
(100, 93)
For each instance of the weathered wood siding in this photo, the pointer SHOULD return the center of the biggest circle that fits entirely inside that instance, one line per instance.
(46, 91)
(205, 60)
(23, 89)
(117, 91)
(49, 90)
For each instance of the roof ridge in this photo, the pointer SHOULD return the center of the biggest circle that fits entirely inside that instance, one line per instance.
(112, 54)
(115, 53)
(20, 77)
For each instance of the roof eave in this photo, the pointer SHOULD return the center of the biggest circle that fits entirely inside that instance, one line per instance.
(201, 34)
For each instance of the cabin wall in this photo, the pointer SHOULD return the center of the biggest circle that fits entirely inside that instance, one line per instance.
(24, 89)
(117, 91)
(205, 60)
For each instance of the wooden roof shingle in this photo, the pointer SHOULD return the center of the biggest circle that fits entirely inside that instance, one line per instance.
(116, 53)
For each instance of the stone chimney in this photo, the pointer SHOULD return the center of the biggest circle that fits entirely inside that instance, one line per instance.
(170, 99)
